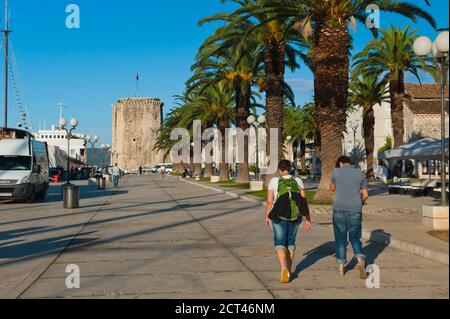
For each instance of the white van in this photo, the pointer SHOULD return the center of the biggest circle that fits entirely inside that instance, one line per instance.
(24, 166)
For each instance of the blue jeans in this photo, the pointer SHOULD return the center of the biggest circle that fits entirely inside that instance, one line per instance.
(116, 180)
(285, 234)
(347, 227)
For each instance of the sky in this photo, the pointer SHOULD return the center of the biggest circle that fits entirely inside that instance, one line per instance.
(89, 68)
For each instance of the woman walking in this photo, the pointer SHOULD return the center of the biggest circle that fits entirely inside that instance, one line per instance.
(285, 209)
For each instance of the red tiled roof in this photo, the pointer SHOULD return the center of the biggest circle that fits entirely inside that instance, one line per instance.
(426, 106)
(425, 98)
(424, 91)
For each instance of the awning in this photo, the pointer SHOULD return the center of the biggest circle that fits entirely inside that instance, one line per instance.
(421, 150)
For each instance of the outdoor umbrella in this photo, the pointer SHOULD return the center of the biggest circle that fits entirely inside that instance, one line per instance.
(421, 150)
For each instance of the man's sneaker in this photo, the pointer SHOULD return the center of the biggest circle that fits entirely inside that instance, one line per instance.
(285, 276)
(362, 271)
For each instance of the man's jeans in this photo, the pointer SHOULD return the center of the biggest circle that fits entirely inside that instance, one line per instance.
(347, 226)
(116, 181)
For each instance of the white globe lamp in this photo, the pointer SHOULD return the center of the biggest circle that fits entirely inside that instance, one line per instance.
(422, 46)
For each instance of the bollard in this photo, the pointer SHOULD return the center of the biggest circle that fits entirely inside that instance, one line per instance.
(102, 183)
(71, 196)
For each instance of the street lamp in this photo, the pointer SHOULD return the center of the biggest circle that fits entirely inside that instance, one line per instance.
(354, 126)
(106, 148)
(256, 123)
(423, 46)
(69, 136)
(92, 140)
(71, 193)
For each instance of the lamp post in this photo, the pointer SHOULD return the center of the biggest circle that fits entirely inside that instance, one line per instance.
(106, 148)
(115, 155)
(423, 46)
(71, 193)
(256, 123)
(69, 136)
(354, 127)
(92, 140)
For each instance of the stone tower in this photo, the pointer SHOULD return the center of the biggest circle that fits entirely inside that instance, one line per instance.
(135, 126)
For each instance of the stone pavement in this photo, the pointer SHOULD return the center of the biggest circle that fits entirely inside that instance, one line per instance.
(393, 219)
(162, 238)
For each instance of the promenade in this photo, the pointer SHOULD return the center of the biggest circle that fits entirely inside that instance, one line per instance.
(165, 238)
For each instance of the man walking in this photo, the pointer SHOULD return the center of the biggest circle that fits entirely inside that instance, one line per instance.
(351, 193)
(116, 175)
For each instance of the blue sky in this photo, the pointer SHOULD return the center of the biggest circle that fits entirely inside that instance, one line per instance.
(90, 68)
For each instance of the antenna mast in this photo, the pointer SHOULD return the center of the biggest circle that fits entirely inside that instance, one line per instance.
(61, 106)
(6, 31)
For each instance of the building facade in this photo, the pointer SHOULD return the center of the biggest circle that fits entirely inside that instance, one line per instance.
(135, 126)
(422, 119)
(57, 138)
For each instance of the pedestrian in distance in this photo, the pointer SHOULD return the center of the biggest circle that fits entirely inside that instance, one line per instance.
(350, 186)
(162, 170)
(116, 175)
(285, 210)
(140, 170)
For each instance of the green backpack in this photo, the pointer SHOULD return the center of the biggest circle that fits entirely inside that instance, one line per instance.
(287, 189)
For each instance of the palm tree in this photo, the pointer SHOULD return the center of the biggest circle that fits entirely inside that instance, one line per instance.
(279, 46)
(212, 107)
(220, 100)
(392, 56)
(366, 92)
(163, 142)
(325, 23)
(301, 127)
(235, 67)
(215, 107)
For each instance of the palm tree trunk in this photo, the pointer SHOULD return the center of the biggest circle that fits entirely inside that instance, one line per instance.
(223, 166)
(397, 92)
(303, 154)
(208, 170)
(178, 168)
(274, 67)
(197, 169)
(242, 113)
(369, 140)
(330, 64)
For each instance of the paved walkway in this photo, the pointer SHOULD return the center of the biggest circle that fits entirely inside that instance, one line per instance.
(162, 238)
(395, 217)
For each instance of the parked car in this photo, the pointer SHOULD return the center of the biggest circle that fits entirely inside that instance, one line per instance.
(169, 168)
(155, 169)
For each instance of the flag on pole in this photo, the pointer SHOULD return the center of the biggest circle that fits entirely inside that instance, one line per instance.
(137, 85)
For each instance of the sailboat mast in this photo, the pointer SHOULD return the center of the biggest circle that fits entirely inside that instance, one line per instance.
(6, 31)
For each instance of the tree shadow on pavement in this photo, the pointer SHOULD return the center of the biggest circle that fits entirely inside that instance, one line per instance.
(36, 249)
(374, 248)
(14, 233)
(39, 248)
(314, 255)
(86, 192)
(115, 208)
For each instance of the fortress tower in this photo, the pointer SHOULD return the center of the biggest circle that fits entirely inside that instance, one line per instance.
(135, 126)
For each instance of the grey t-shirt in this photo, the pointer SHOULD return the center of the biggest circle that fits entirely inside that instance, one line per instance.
(349, 182)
